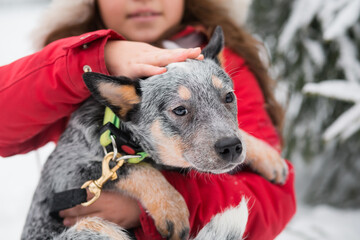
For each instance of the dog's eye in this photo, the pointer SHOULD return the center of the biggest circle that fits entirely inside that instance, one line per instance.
(180, 111)
(229, 97)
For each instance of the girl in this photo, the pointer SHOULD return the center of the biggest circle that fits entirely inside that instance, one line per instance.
(42, 90)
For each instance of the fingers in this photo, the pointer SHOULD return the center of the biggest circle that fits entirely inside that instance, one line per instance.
(71, 220)
(167, 56)
(144, 70)
(195, 53)
(78, 211)
(154, 63)
(125, 58)
(200, 57)
(71, 215)
(68, 222)
(111, 206)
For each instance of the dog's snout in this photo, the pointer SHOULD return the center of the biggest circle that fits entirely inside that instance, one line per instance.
(229, 149)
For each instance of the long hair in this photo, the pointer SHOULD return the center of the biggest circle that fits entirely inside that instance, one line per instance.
(209, 14)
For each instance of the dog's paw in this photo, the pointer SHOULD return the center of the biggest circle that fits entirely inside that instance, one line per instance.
(161, 200)
(266, 161)
(171, 216)
(271, 167)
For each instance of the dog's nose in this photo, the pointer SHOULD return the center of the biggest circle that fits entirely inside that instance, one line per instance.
(229, 149)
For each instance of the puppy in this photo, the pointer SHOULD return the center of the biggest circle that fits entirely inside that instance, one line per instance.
(184, 118)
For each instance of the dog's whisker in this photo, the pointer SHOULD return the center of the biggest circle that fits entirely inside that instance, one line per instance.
(232, 74)
(226, 65)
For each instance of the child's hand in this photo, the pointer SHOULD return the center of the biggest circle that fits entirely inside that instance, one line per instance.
(137, 59)
(112, 206)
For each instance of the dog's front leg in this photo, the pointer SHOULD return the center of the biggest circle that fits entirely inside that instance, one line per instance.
(264, 159)
(159, 198)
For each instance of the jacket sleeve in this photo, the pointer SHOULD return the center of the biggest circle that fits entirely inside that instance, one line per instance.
(270, 206)
(39, 92)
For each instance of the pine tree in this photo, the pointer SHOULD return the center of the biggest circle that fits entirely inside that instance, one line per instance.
(311, 42)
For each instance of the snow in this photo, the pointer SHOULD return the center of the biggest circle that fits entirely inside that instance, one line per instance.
(316, 52)
(15, 25)
(348, 59)
(341, 124)
(352, 129)
(342, 90)
(336, 17)
(338, 89)
(303, 13)
(348, 123)
(19, 174)
(342, 20)
(326, 171)
(322, 223)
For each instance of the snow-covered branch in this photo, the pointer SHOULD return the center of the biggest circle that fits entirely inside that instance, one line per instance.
(337, 89)
(349, 122)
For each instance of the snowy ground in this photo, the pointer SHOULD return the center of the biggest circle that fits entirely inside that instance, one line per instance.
(19, 174)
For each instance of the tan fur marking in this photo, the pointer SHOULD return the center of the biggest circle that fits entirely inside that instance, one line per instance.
(221, 58)
(170, 149)
(184, 93)
(217, 82)
(123, 96)
(101, 226)
(161, 200)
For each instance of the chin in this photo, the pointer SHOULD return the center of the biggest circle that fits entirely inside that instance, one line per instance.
(219, 170)
(143, 37)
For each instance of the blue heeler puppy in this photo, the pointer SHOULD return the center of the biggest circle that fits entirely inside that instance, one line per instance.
(184, 118)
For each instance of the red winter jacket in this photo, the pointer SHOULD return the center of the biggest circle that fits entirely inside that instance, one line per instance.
(39, 92)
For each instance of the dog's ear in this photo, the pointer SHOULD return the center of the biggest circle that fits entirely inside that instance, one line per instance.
(121, 94)
(215, 45)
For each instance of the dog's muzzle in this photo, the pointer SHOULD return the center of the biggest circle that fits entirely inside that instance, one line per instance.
(229, 149)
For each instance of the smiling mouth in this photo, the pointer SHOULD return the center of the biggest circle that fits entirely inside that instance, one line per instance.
(143, 15)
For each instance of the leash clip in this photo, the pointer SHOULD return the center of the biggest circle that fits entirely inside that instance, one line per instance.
(95, 186)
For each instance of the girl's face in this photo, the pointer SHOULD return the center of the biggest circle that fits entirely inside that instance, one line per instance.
(141, 20)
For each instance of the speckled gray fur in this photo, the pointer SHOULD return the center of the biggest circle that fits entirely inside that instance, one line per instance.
(78, 155)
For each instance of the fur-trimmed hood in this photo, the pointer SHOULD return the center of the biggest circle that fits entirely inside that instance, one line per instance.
(63, 12)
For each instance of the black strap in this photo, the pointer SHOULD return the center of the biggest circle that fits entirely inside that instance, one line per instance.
(71, 198)
(122, 138)
(67, 199)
